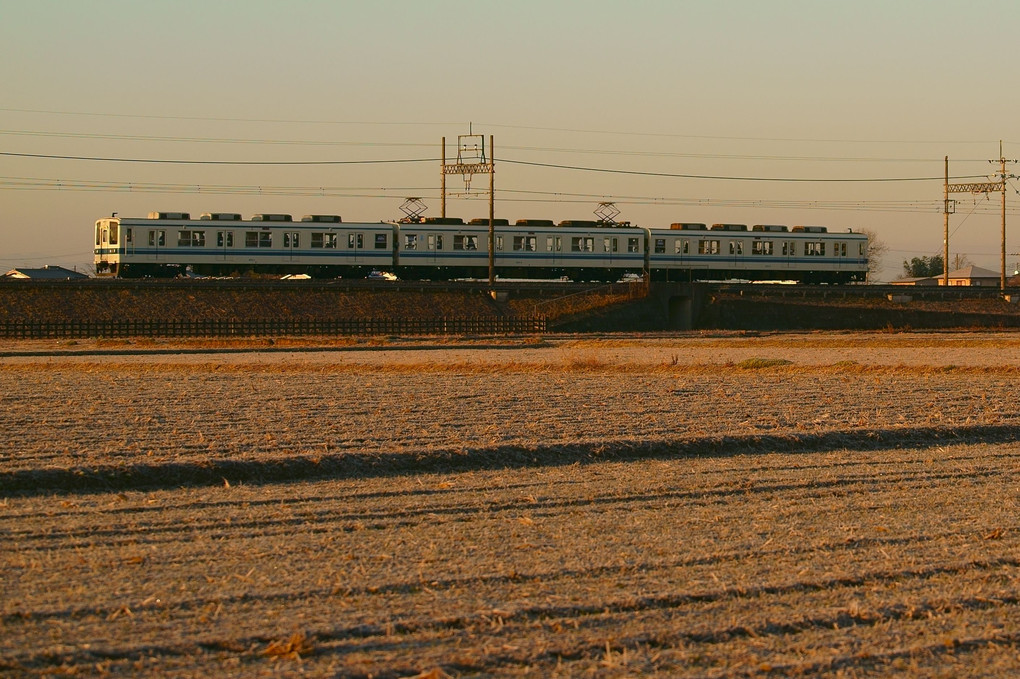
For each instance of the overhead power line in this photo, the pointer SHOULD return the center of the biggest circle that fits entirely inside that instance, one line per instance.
(541, 149)
(640, 173)
(218, 162)
(508, 196)
(227, 120)
(627, 133)
(725, 178)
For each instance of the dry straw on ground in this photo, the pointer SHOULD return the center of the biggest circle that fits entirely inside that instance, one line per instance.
(553, 508)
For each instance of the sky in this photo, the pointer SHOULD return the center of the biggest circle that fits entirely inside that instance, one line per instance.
(749, 111)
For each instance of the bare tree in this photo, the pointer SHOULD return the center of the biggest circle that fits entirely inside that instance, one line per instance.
(959, 261)
(877, 250)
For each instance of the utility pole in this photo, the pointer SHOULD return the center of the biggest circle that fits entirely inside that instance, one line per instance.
(1002, 179)
(471, 160)
(978, 187)
(945, 228)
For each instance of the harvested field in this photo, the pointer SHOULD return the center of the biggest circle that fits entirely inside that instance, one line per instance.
(701, 505)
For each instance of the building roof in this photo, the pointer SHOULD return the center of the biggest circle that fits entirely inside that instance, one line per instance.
(972, 272)
(47, 273)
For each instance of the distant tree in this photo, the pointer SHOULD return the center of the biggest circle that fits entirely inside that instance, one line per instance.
(923, 267)
(959, 262)
(877, 250)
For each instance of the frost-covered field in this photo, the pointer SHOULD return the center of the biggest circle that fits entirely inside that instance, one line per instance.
(704, 506)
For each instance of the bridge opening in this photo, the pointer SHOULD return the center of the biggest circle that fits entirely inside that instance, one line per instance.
(681, 311)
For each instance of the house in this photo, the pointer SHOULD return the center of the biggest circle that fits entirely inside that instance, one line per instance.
(973, 275)
(967, 276)
(47, 273)
(925, 280)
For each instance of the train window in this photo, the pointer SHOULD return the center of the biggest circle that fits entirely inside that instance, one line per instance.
(411, 241)
(224, 239)
(356, 240)
(548, 243)
(324, 240)
(98, 232)
(708, 247)
(736, 247)
(860, 249)
(814, 248)
(183, 238)
(198, 239)
(439, 241)
(528, 243)
(582, 244)
(633, 245)
(157, 238)
(660, 245)
(129, 237)
(788, 249)
(458, 242)
(380, 241)
(559, 243)
(499, 242)
(687, 247)
(113, 234)
(258, 239)
(842, 247)
(761, 247)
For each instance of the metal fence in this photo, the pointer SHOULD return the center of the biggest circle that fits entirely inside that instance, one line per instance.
(246, 328)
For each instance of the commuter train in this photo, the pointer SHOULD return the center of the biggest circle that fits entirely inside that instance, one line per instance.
(168, 244)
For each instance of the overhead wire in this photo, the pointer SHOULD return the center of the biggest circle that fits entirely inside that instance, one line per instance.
(641, 173)
(626, 133)
(162, 161)
(542, 149)
(506, 195)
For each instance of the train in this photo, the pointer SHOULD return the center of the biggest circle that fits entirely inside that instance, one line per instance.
(170, 244)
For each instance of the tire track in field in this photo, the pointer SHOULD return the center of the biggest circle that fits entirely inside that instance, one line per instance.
(415, 493)
(330, 520)
(167, 475)
(398, 633)
(594, 573)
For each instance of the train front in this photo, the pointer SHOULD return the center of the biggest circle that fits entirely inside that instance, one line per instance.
(108, 247)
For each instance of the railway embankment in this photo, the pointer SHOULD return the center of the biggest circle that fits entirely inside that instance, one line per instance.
(562, 308)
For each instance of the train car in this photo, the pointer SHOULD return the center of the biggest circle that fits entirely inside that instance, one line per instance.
(808, 254)
(167, 244)
(223, 244)
(448, 248)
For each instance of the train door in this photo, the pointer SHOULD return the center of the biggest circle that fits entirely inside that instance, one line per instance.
(224, 241)
(355, 246)
(291, 242)
(156, 242)
(554, 249)
(434, 247)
